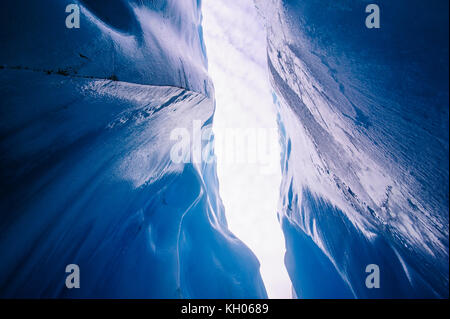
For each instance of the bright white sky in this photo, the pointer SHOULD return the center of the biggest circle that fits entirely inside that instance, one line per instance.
(235, 40)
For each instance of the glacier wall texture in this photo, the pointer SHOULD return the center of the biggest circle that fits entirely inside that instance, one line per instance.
(85, 169)
(363, 115)
(86, 177)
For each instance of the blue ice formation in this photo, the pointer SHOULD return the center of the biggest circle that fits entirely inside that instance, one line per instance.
(363, 115)
(86, 175)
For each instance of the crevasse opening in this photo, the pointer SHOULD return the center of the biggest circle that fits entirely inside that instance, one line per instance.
(246, 135)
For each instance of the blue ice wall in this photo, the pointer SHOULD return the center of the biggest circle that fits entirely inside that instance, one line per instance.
(155, 42)
(363, 115)
(85, 171)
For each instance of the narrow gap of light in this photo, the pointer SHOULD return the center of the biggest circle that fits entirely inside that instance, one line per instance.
(249, 173)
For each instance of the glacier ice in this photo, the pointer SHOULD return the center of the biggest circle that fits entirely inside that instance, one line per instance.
(156, 42)
(363, 116)
(86, 176)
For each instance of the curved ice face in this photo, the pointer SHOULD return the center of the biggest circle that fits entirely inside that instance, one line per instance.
(156, 42)
(364, 119)
(85, 166)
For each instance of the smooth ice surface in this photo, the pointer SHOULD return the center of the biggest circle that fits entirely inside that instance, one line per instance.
(86, 175)
(155, 42)
(364, 121)
(235, 40)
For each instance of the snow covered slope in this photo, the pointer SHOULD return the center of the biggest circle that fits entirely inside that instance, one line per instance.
(85, 138)
(364, 120)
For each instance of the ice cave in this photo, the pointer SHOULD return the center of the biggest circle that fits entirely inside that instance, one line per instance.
(118, 118)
